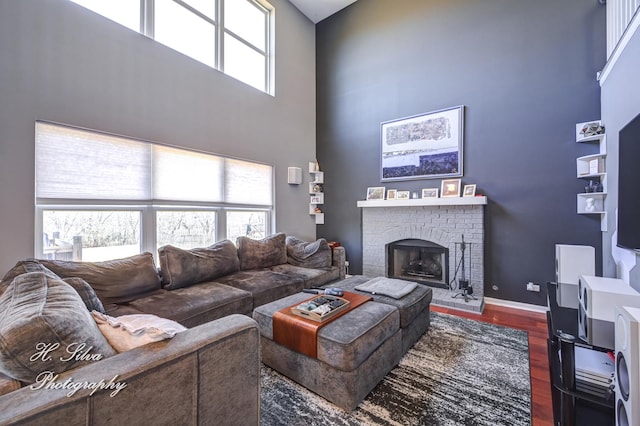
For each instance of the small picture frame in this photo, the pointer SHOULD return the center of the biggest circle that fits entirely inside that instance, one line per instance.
(430, 193)
(402, 195)
(391, 194)
(375, 193)
(450, 188)
(469, 190)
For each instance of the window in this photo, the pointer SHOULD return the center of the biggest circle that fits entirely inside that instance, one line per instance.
(101, 196)
(232, 36)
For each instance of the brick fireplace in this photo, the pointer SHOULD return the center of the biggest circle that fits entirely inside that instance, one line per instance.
(431, 223)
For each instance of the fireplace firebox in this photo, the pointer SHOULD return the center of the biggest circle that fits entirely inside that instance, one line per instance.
(417, 260)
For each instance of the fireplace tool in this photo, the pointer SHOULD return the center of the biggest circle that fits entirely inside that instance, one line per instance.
(464, 287)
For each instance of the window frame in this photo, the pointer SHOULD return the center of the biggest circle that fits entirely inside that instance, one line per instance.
(148, 208)
(147, 28)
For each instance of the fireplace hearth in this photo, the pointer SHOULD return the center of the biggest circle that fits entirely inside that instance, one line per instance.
(422, 261)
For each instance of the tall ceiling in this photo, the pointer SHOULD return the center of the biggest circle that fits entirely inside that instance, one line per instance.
(317, 10)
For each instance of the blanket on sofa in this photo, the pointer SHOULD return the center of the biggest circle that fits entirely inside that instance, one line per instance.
(315, 254)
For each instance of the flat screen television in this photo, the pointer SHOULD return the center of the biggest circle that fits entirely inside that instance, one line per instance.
(629, 186)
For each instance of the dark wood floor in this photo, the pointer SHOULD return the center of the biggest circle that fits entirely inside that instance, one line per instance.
(536, 324)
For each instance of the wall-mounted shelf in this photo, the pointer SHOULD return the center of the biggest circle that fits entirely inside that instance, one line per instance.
(593, 167)
(591, 203)
(316, 193)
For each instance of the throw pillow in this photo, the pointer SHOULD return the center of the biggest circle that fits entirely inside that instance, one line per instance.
(181, 268)
(256, 254)
(130, 331)
(315, 255)
(45, 326)
(86, 293)
(114, 281)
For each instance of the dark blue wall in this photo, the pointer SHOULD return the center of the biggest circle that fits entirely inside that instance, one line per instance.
(526, 73)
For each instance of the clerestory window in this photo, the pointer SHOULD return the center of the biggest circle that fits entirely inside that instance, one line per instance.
(233, 36)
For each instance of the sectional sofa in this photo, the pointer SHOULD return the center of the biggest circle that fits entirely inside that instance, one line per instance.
(207, 373)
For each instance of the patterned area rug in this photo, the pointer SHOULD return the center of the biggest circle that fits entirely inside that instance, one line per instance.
(461, 372)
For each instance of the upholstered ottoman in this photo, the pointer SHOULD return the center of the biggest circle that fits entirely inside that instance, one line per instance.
(414, 307)
(354, 351)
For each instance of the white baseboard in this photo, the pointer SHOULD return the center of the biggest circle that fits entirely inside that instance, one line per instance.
(515, 305)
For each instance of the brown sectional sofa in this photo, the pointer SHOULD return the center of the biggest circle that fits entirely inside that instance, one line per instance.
(217, 358)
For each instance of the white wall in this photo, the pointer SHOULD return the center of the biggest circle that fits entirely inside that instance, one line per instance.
(620, 97)
(63, 63)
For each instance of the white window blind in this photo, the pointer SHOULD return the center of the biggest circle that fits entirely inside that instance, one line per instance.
(183, 175)
(248, 183)
(74, 163)
(77, 164)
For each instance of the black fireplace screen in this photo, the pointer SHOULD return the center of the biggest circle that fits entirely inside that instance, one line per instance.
(418, 260)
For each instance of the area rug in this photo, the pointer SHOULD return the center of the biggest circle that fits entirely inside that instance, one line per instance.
(461, 372)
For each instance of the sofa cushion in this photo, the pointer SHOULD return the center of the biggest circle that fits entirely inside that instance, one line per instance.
(130, 331)
(315, 255)
(181, 268)
(86, 293)
(42, 322)
(311, 277)
(118, 280)
(264, 285)
(194, 305)
(256, 254)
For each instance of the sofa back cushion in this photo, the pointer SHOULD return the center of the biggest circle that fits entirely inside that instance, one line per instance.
(115, 281)
(256, 254)
(182, 268)
(42, 322)
(24, 266)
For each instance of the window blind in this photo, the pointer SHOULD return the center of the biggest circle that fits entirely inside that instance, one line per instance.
(73, 163)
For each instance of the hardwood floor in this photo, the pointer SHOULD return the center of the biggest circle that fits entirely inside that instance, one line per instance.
(536, 325)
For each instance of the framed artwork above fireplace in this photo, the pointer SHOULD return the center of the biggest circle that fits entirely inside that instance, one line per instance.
(422, 146)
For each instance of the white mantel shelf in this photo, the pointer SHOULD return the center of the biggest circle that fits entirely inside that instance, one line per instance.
(452, 201)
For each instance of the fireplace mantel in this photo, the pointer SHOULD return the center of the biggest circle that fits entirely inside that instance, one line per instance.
(452, 201)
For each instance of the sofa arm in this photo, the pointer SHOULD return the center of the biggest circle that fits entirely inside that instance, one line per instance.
(204, 375)
(339, 256)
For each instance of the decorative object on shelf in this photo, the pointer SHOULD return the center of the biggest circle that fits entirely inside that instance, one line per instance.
(414, 195)
(316, 187)
(391, 194)
(589, 129)
(450, 188)
(422, 146)
(589, 205)
(469, 190)
(402, 195)
(375, 193)
(593, 187)
(430, 193)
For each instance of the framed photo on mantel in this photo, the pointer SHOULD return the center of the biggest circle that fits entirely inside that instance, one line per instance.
(422, 146)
